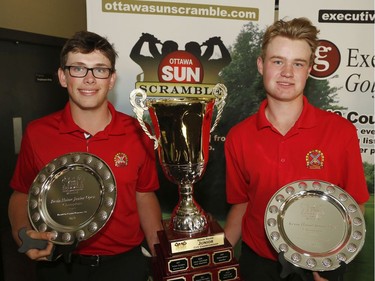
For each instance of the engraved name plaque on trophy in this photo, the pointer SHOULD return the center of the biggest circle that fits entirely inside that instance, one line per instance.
(192, 243)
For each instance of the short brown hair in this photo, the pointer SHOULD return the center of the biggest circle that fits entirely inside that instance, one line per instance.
(86, 42)
(295, 29)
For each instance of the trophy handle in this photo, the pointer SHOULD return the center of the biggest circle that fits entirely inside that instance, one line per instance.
(137, 100)
(220, 92)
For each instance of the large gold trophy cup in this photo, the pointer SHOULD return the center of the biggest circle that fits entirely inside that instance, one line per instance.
(192, 242)
(182, 128)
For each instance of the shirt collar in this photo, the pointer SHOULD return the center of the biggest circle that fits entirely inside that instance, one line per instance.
(67, 124)
(307, 118)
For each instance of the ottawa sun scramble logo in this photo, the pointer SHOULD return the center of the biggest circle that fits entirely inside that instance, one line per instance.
(180, 67)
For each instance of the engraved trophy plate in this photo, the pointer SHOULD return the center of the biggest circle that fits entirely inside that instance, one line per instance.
(177, 242)
(315, 224)
(73, 196)
(219, 256)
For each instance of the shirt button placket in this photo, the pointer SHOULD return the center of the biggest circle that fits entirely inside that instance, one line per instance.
(282, 156)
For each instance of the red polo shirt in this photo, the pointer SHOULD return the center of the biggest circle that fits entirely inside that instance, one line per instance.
(52, 136)
(259, 161)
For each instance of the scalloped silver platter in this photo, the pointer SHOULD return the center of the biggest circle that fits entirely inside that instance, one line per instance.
(316, 224)
(73, 196)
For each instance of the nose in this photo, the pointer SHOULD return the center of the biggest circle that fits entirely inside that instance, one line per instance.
(287, 71)
(89, 78)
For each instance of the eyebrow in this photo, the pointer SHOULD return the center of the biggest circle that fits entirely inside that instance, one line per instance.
(78, 63)
(283, 58)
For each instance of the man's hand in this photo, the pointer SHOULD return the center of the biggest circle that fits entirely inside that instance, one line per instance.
(36, 245)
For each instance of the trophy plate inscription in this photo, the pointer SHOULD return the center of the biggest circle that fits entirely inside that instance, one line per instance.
(73, 197)
(212, 236)
(226, 272)
(212, 261)
(193, 260)
(315, 224)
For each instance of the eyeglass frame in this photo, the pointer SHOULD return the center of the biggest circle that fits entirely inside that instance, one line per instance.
(67, 67)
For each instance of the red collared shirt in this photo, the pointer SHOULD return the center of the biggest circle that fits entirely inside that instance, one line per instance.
(259, 161)
(52, 136)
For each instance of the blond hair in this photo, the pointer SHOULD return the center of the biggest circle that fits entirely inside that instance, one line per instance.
(295, 29)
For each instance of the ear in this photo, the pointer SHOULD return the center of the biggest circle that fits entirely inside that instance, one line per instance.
(260, 65)
(62, 77)
(113, 80)
(309, 70)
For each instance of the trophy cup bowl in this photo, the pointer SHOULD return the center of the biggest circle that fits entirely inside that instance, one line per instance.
(182, 129)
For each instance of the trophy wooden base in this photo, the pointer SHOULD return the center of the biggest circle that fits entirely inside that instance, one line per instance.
(206, 256)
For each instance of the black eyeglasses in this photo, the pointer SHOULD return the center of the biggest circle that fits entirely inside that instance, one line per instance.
(79, 71)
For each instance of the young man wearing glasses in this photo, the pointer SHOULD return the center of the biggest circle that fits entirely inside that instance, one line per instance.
(90, 123)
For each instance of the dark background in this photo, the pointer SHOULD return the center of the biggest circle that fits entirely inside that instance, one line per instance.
(29, 89)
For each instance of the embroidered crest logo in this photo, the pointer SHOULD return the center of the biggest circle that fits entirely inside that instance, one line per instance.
(121, 159)
(315, 159)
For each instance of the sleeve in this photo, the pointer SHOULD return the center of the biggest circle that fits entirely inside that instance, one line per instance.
(148, 175)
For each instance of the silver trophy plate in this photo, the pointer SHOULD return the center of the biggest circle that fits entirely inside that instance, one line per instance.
(73, 197)
(315, 224)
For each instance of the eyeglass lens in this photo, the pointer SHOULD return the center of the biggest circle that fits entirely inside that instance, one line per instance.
(81, 71)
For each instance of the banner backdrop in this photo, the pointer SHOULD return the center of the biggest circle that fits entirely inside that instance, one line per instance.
(165, 46)
(345, 58)
(124, 23)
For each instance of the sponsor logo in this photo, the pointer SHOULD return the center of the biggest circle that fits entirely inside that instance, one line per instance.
(347, 16)
(191, 70)
(180, 67)
(327, 60)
